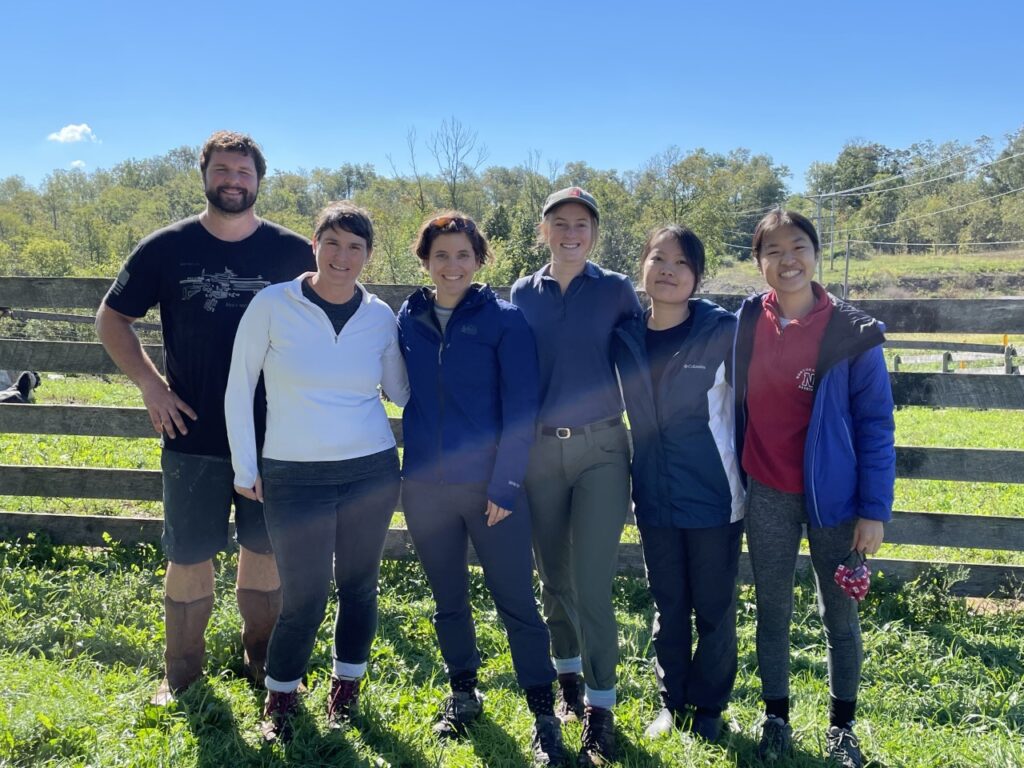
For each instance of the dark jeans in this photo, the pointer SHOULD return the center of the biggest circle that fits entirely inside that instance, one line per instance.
(317, 527)
(693, 570)
(442, 519)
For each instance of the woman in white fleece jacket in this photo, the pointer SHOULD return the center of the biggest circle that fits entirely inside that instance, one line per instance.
(328, 472)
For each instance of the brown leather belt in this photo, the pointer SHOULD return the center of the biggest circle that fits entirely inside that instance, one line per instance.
(564, 433)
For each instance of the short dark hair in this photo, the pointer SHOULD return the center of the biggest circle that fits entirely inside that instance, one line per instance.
(449, 222)
(689, 243)
(782, 218)
(348, 217)
(232, 141)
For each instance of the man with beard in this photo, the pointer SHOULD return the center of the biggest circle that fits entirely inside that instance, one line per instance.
(203, 272)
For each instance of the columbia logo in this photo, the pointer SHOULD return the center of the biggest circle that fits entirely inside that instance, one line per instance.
(695, 365)
(469, 330)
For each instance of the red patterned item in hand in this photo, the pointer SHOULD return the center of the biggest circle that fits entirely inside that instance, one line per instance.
(854, 581)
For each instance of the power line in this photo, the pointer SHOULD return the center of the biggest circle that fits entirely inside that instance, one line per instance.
(943, 245)
(925, 181)
(902, 175)
(923, 215)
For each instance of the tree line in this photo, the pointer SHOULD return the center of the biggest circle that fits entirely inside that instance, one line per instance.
(926, 196)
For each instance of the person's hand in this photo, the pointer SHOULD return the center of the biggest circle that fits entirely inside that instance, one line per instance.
(255, 493)
(867, 536)
(495, 514)
(167, 411)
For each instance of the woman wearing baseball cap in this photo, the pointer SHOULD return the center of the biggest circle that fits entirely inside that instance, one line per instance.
(578, 475)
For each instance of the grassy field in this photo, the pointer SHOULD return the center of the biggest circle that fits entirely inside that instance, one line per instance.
(80, 645)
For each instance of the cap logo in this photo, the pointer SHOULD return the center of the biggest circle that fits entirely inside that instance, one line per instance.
(575, 191)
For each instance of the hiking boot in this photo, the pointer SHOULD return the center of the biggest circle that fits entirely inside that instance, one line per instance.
(598, 746)
(843, 748)
(548, 748)
(259, 611)
(569, 705)
(185, 646)
(278, 714)
(342, 702)
(460, 708)
(667, 721)
(776, 740)
(706, 725)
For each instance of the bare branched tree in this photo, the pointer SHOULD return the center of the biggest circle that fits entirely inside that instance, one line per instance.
(457, 154)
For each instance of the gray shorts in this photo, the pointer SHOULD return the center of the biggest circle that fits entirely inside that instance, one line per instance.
(198, 494)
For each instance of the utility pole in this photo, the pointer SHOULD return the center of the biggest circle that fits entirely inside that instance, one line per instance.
(817, 224)
(832, 236)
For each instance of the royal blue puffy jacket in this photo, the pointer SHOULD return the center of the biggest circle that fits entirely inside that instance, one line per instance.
(685, 471)
(472, 413)
(850, 454)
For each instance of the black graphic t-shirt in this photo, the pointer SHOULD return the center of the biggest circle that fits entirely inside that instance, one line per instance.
(203, 285)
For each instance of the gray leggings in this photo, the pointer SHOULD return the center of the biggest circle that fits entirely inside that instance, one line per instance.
(774, 523)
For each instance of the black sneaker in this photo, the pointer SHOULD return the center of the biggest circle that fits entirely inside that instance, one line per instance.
(460, 709)
(278, 714)
(342, 702)
(776, 740)
(843, 748)
(598, 747)
(548, 748)
(569, 705)
(706, 725)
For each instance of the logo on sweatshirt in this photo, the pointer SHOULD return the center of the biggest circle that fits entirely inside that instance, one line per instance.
(805, 380)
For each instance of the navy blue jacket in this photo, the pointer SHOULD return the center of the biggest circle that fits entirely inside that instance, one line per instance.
(685, 471)
(850, 454)
(472, 413)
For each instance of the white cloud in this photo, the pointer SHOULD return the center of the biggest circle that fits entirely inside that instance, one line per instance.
(72, 133)
(78, 163)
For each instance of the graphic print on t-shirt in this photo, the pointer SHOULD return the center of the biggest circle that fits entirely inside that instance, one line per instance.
(805, 379)
(220, 285)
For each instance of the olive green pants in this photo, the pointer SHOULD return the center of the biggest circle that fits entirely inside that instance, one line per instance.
(578, 489)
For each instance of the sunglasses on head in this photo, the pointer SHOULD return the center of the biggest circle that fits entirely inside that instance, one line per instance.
(452, 224)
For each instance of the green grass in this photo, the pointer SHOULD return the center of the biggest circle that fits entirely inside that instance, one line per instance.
(898, 275)
(80, 644)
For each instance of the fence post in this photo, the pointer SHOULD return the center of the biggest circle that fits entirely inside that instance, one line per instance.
(896, 360)
(947, 362)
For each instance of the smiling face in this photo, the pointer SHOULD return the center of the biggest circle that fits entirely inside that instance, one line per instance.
(340, 257)
(231, 182)
(569, 232)
(452, 264)
(787, 260)
(668, 276)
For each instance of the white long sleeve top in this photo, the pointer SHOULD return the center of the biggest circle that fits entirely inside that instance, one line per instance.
(323, 402)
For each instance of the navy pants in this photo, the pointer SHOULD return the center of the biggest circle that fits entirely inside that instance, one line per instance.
(693, 570)
(318, 529)
(442, 519)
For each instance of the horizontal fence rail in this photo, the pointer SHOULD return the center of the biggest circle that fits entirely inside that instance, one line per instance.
(100, 531)
(23, 297)
(1004, 315)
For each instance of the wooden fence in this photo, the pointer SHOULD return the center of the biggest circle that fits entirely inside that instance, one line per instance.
(990, 532)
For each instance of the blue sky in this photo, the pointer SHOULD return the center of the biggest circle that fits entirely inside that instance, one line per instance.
(612, 84)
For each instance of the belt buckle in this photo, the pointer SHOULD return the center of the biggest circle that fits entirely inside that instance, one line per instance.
(563, 433)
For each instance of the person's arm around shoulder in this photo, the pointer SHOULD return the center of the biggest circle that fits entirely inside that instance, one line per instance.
(167, 412)
(394, 377)
(519, 379)
(630, 302)
(252, 341)
(874, 435)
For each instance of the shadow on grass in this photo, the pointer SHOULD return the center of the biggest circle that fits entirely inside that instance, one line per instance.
(212, 723)
(493, 745)
(386, 743)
